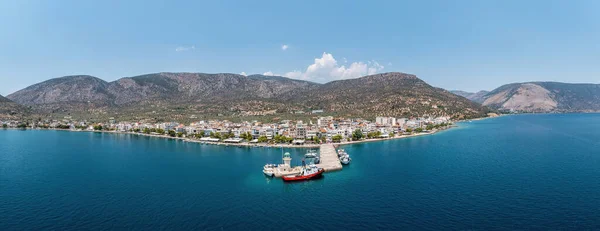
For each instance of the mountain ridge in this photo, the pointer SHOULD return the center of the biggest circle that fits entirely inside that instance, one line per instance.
(178, 95)
(541, 96)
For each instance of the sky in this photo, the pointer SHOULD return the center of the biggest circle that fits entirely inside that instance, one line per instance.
(462, 44)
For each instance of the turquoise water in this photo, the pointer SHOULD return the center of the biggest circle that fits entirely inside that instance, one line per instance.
(515, 172)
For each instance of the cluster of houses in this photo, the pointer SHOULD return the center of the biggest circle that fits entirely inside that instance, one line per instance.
(324, 128)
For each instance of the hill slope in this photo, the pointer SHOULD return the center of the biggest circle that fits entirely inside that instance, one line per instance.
(475, 97)
(390, 94)
(179, 95)
(10, 110)
(545, 97)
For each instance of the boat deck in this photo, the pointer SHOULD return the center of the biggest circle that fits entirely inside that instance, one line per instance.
(329, 158)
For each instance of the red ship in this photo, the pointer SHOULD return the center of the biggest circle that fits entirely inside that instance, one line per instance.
(310, 172)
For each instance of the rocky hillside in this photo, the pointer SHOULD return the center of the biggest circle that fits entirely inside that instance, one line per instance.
(389, 94)
(80, 92)
(545, 97)
(475, 97)
(11, 110)
(181, 95)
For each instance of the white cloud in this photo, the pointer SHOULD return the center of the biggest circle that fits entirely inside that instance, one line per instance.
(326, 69)
(268, 73)
(182, 48)
(284, 47)
(243, 73)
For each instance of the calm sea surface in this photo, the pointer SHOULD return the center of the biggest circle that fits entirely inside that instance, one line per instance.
(514, 172)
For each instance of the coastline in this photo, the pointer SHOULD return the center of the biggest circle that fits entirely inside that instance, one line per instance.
(249, 145)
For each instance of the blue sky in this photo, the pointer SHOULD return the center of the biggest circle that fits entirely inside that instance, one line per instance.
(467, 45)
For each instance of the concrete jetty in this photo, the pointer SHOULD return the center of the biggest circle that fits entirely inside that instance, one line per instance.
(329, 158)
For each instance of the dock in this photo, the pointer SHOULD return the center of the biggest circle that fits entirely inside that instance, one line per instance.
(329, 158)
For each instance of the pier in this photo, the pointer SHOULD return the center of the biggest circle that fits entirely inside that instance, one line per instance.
(329, 158)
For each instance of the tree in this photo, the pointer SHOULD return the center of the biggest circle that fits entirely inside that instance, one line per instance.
(4, 125)
(409, 130)
(180, 134)
(391, 135)
(429, 127)
(336, 138)
(357, 134)
(323, 139)
(316, 140)
(262, 139)
(172, 133)
(419, 130)
(98, 128)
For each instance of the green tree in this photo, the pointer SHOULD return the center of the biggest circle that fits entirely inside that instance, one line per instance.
(180, 134)
(98, 128)
(262, 139)
(419, 130)
(4, 125)
(316, 139)
(357, 134)
(172, 133)
(336, 138)
(391, 134)
(409, 130)
(429, 127)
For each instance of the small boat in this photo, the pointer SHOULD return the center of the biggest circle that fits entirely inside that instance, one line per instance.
(345, 159)
(317, 160)
(310, 155)
(309, 172)
(269, 169)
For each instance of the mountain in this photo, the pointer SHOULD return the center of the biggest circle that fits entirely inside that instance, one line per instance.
(475, 97)
(180, 95)
(10, 110)
(389, 94)
(545, 97)
(80, 92)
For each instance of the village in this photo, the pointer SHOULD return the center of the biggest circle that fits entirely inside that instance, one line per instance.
(325, 129)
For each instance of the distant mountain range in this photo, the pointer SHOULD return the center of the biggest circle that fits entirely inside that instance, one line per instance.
(475, 97)
(542, 97)
(180, 95)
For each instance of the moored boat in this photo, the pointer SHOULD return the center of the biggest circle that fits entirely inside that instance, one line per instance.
(308, 172)
(310, 154)
(345, 159)
(269, 169)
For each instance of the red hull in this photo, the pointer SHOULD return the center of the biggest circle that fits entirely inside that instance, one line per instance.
(307, 177)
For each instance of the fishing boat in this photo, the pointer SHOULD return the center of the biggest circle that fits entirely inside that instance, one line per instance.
(308, 172)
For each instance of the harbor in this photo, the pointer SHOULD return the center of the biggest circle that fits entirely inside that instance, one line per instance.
(328, 160)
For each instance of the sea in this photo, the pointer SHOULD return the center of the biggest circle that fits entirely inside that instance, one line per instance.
(517, 172)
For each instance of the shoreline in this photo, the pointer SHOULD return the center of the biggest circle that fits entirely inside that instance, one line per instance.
(246, 144)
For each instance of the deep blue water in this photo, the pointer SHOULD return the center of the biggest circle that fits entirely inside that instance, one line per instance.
(515, 172)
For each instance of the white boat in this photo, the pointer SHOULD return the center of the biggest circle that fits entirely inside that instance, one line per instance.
(345, 159)
(310, 155)
(269, 169)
